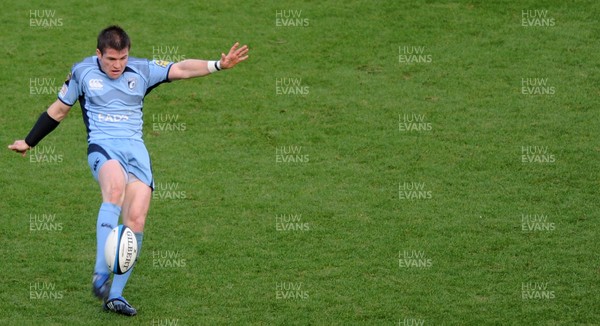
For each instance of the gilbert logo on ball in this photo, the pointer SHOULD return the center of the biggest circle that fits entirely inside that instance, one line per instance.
(120, 250)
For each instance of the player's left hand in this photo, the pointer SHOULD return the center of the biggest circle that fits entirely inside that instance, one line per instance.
(234, 56)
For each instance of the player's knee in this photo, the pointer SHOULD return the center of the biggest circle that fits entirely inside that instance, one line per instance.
(137, 220)
(112, 182)
(114, 193)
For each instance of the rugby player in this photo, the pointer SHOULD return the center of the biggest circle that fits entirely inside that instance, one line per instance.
(110, 88)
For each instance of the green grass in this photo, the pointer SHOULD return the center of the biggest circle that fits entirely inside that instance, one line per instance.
(230, 189)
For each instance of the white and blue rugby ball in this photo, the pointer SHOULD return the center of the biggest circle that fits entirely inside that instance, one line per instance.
(120, 250)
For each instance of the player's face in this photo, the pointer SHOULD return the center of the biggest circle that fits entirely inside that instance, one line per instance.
(113, 62)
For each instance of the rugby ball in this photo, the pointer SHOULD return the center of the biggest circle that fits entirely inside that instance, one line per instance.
(120, 250)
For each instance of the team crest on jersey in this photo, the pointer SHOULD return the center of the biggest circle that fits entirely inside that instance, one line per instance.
(131, 82)
(95, 84)
(161, 63)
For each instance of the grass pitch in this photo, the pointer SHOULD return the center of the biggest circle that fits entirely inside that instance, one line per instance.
(373, 162)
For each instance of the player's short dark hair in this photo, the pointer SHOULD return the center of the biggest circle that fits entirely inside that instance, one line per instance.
(113, 37)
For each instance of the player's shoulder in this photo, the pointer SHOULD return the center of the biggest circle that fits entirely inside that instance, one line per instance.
(143, 64)
(138, 65)
(88, 62)
(82, 67)
(135, 61)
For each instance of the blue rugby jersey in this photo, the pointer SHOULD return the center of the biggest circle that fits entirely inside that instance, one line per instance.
(112, 108)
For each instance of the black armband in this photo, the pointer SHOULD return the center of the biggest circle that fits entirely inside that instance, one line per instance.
(42, 127)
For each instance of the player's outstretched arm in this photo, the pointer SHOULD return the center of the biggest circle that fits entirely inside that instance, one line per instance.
(45, 124)
(191, 68)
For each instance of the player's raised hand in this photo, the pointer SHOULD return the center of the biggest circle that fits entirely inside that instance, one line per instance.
(19, 146)
(234, 56)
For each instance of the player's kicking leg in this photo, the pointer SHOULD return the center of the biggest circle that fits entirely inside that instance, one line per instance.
(111, 178)
(135, 208)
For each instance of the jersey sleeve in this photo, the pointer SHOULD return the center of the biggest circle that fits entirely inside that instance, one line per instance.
(69, 93)
(158, 72)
